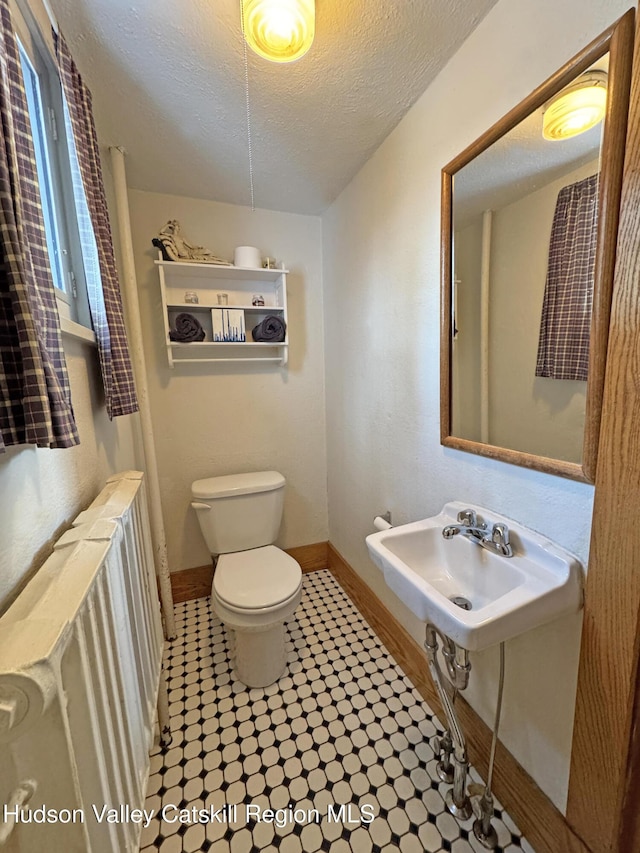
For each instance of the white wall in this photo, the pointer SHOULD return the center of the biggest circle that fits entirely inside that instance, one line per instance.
(41, 490)
(381, 282)
(195, 408)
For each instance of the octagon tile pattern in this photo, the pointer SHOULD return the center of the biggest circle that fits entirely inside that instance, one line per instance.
(334, 757)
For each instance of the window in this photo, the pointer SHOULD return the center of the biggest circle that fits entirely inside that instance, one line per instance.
(35, 392)
(70, 239)
(36, 113)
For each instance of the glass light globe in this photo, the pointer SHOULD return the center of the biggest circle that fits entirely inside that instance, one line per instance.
(578, 107)
(279, 30)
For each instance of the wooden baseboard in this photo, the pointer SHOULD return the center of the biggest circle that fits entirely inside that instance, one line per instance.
(311, 557)
(196, 583)
(542, 824)
(191, 583)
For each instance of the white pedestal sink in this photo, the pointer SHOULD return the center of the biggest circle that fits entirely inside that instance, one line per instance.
(508, 595)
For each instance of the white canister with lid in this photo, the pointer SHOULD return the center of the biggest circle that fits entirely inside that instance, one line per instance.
(247, 256)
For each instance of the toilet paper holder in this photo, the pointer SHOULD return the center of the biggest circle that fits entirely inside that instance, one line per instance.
(383, 522)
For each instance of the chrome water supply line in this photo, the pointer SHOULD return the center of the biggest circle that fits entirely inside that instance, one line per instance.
(482, 827)
(457, 663)
(452, 742)
(443, 747)
(458, 666)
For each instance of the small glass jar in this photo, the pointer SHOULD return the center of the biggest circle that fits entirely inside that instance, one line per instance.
(191, 296)
(223, 299)
(257, 299)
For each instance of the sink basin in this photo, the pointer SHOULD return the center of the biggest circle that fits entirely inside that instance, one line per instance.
(507, 595)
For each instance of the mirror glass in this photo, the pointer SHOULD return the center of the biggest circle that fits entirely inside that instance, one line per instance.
(504, 202)
(527, 265)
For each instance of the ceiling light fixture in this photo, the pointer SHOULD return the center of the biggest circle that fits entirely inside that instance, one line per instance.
(279, 30)
(578, 107)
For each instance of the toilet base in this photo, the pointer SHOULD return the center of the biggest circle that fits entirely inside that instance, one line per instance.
(259, 657)
(257, 637)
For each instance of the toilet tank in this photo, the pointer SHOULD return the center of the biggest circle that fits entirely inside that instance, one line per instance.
(239, 511)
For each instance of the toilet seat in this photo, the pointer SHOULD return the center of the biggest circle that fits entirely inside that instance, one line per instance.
(259, 580)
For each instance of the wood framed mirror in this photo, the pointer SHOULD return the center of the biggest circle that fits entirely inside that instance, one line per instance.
(528, 245)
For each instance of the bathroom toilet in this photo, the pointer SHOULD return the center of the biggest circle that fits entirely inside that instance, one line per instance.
(256, 586)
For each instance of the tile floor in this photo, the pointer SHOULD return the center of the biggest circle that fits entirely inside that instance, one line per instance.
(343, 727)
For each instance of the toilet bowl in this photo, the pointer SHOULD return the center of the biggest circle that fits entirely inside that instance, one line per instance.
(256, 586)
(254, 593)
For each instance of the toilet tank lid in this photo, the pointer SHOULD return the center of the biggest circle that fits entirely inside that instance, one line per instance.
(237, 484)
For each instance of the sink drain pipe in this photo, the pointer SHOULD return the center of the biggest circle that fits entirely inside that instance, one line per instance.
(458, 665)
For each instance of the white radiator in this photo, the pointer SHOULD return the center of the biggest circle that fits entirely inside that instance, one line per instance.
(80, 676)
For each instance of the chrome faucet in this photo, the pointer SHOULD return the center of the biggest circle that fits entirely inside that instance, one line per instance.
(495, 540)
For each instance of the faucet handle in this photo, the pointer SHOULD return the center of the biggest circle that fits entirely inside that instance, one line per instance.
(500, 533)
(500, 537)
(469, 518)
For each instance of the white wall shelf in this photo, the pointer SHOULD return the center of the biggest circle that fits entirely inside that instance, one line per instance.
(240, 285)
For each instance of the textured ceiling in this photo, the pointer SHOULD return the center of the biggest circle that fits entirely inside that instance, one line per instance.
(167, 78)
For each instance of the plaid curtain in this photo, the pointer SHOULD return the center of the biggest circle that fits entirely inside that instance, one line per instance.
(35, 397)
(104, 291)
(563, 347)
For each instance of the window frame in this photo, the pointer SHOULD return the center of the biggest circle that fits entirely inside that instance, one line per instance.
(73, 302)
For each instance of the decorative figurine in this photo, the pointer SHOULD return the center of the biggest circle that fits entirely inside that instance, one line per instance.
(175, 247)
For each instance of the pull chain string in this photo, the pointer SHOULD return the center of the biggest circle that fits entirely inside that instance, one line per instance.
(248, 105)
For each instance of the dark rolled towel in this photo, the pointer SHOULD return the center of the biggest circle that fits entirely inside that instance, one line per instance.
(272, 330)
(187, 329)
(160, 245)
